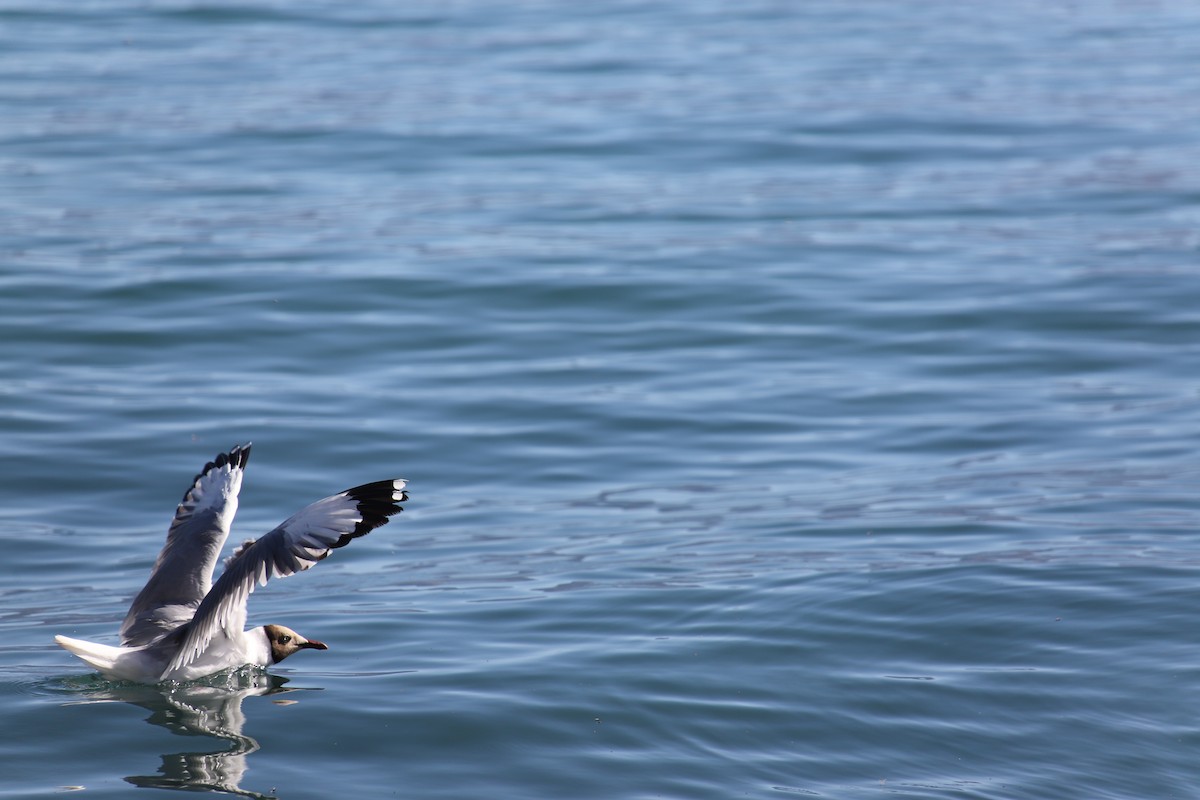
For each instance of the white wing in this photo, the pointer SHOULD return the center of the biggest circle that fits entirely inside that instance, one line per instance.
(182, 575)
(297, 544)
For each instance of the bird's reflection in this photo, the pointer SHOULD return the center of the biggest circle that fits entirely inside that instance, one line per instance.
(211, 709)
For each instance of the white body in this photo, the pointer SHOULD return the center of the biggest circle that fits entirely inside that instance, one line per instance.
(145, 665)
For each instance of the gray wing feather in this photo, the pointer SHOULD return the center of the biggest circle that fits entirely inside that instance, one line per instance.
(304, 539)
(182, 575)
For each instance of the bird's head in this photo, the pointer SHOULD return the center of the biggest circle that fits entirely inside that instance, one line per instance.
(284, 641)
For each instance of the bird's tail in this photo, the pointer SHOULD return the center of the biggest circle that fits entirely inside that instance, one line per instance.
(101, 656)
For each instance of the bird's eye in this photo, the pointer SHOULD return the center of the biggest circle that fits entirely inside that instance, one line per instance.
(284, 639)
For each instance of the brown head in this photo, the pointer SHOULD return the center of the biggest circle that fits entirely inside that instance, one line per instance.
(285, 641)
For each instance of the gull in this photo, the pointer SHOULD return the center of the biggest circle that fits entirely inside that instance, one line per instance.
(182, 626)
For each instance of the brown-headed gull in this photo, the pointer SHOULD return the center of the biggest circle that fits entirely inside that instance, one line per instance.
(182, 626)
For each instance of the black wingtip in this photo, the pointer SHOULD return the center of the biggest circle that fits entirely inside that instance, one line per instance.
(238, 456)
(376, 502)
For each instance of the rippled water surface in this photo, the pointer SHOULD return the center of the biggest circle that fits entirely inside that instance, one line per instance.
(798, 399)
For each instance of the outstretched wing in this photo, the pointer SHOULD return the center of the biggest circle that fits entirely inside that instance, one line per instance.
(303, 540)
(182, 575)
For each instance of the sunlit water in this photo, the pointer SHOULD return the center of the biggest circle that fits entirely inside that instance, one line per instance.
(798, 399)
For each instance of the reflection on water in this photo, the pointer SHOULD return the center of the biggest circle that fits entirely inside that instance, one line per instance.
(211, 709)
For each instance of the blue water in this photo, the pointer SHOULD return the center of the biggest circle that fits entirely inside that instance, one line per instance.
(798, 399)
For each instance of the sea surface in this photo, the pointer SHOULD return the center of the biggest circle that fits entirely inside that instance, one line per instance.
(798, 399)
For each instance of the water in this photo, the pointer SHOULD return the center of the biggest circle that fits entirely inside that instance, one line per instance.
(798, 399)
